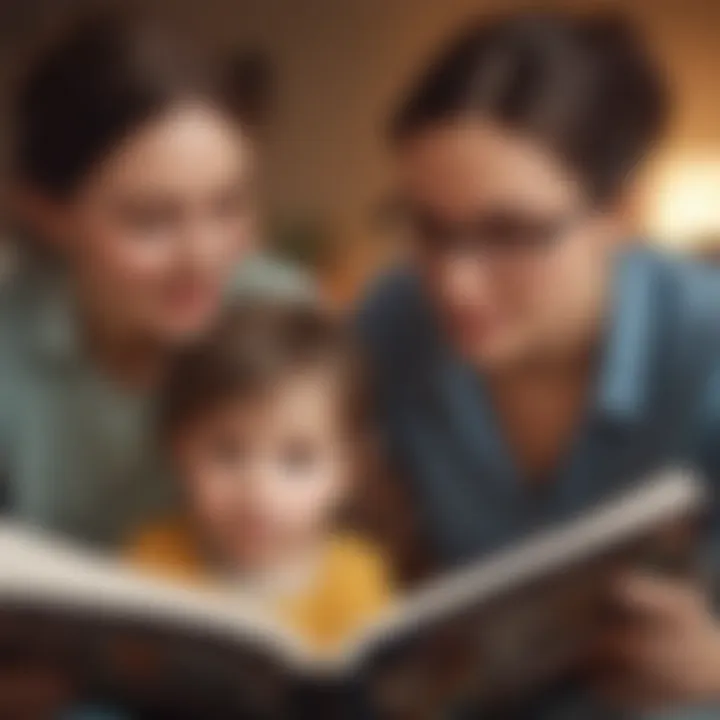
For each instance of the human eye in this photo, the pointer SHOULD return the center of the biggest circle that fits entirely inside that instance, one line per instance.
(511, 233)
(148, 219)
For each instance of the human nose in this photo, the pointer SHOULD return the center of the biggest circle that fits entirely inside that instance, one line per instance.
(464, 279)
(259, 479)
(202, 247)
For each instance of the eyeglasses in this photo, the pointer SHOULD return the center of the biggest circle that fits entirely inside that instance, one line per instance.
(503, 238)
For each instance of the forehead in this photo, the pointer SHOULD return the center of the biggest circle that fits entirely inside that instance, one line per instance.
(302, 397)
(463, 166)
(188, 148)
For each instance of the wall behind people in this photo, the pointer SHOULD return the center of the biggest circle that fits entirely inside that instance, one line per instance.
(340, 64)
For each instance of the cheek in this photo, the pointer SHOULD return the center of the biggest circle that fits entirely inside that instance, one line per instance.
(557, 301)
(311, 499)
(120, 259)
(232, 239)
(213, 495)
(571, 274)
(531, 297)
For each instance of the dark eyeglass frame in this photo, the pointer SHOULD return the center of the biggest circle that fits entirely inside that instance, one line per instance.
(488, 237)
(501, 235)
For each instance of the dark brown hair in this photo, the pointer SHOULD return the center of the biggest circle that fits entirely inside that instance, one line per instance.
(91, 85)
(255, 345)
(583, 85)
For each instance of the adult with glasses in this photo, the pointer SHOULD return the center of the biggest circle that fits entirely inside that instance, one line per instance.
(532, 359)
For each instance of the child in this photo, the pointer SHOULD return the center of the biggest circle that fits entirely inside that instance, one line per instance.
(263, 428)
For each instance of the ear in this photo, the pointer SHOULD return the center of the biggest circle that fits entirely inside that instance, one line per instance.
(47, 219)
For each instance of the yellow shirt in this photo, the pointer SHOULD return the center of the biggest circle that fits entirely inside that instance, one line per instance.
(350, 587)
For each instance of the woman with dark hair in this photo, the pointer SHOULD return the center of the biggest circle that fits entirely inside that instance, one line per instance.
(133, 186)
(532, 359)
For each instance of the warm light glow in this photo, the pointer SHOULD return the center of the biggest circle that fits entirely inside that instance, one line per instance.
(684, 204)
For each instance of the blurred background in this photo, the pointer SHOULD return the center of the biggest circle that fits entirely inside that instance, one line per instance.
(332, 70)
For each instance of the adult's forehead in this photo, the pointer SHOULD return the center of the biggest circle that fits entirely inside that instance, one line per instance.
(188, 148)
(466, 165)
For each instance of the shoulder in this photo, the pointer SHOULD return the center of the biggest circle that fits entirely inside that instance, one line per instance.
(10, 308)
(166, 545)
(687, 290)
(685, 296)
(29, 297)
(393, 319)
(360, 562)
(394, 296)
(15, 321)
(671, 304)
(265, 276)
(356, 585)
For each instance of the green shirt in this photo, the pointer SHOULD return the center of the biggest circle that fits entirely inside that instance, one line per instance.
(77, 451)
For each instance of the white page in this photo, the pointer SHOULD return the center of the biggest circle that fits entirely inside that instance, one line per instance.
(39, 568)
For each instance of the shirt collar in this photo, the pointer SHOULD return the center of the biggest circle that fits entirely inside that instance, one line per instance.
(625, 367)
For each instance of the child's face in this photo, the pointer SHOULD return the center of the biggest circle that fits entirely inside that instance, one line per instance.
(265, 478)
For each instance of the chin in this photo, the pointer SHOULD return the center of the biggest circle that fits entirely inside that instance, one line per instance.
(189, 319)
(254, 560)
(482, 349)
(186, 329)
(491, 356)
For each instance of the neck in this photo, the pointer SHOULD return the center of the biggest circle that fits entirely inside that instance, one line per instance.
(130, 358)
(563, 365)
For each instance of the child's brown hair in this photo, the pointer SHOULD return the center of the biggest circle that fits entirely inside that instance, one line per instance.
(253, 346)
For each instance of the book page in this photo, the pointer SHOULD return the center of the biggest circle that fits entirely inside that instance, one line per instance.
(104, 629)
(524, 619)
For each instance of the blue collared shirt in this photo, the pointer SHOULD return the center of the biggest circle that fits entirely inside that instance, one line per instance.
(655, 402)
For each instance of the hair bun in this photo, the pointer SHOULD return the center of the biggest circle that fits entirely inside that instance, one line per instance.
(611, 31)
(585, 86)
(633, 94)
(624, 59)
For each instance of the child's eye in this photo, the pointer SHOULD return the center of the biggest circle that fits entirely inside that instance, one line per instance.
(148, 219)
(299, 457)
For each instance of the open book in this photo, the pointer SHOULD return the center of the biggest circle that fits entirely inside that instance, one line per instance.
(500, 629)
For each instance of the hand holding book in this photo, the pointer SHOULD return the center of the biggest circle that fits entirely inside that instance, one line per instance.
(494, 634)
(664, 648)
